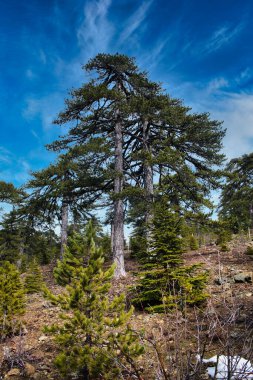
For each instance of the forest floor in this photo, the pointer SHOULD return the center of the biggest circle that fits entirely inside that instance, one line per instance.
(223, 326)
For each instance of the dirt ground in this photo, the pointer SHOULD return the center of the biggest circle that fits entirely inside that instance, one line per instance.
(224, 325)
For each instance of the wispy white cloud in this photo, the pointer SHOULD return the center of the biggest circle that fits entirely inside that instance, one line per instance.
(95, 31)
(150, 59)
(217, 84)
(244, 76)
(237, 112)
(44, 108)
(135, 21)
(234, 109)
(5, 156)
(35, 135)
(30, 74)
(220, 37)
(42, 56)
(13, 168)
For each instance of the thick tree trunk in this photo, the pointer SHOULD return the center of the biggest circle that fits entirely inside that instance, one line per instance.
(118, 220)
(64, 226)
(148, 181)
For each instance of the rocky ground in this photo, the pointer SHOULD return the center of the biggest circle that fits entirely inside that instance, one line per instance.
(172, 341)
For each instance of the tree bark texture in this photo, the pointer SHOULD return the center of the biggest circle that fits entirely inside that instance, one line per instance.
(148, 181)
(64, 226)
(118, 220)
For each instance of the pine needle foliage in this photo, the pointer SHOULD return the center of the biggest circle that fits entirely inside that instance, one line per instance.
(33, 279)
(193, 243)
(164, 282)
(12, 300)
(95, 339)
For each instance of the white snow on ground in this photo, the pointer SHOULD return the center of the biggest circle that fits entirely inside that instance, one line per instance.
(224, 367)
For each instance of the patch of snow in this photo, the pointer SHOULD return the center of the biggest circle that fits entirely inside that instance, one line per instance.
(224, 367)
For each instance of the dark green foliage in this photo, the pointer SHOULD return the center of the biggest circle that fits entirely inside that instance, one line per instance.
(20, 241)
(10, 194)
(236, 207)
(163, 281)
(10, 239)
(77, 251)
(138, 245)
(94, 338)
(224, 247)
(223, 235)
(193, 242)
(33, 279)
(249, 251)
(66, 268)
(12, 300)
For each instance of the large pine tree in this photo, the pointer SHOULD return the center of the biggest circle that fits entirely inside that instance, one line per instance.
(150, 144)
(102, 111)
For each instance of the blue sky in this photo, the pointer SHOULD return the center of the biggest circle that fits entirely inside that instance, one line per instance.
(200, 49)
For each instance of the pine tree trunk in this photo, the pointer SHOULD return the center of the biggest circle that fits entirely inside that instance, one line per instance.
(112, 236)
(148, 181)
(64, 226)
(118, 220)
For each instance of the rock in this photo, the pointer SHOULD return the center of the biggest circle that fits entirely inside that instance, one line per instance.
(24, 331)
(13, 372)
(29, 369)
(241, 319)
(219, 281)
(243, 277)
(227, 287)
(43, 338)
(235, 335)
(204, 376)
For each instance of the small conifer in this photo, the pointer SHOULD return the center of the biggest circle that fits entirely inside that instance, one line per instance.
(193, 243)
(94, 337)
(33, 280)
(12, 299)
(163, 281)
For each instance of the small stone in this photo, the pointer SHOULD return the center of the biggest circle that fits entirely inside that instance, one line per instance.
(29, 369)
(248, 294)
(43, 338)
(204, 376)
(24, 331)
(234, 334)
(241, 319)
(243, 277)
(219, 281)
(13, 372)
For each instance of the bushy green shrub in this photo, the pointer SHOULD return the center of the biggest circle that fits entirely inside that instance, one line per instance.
(12, 300)
(94, 337)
